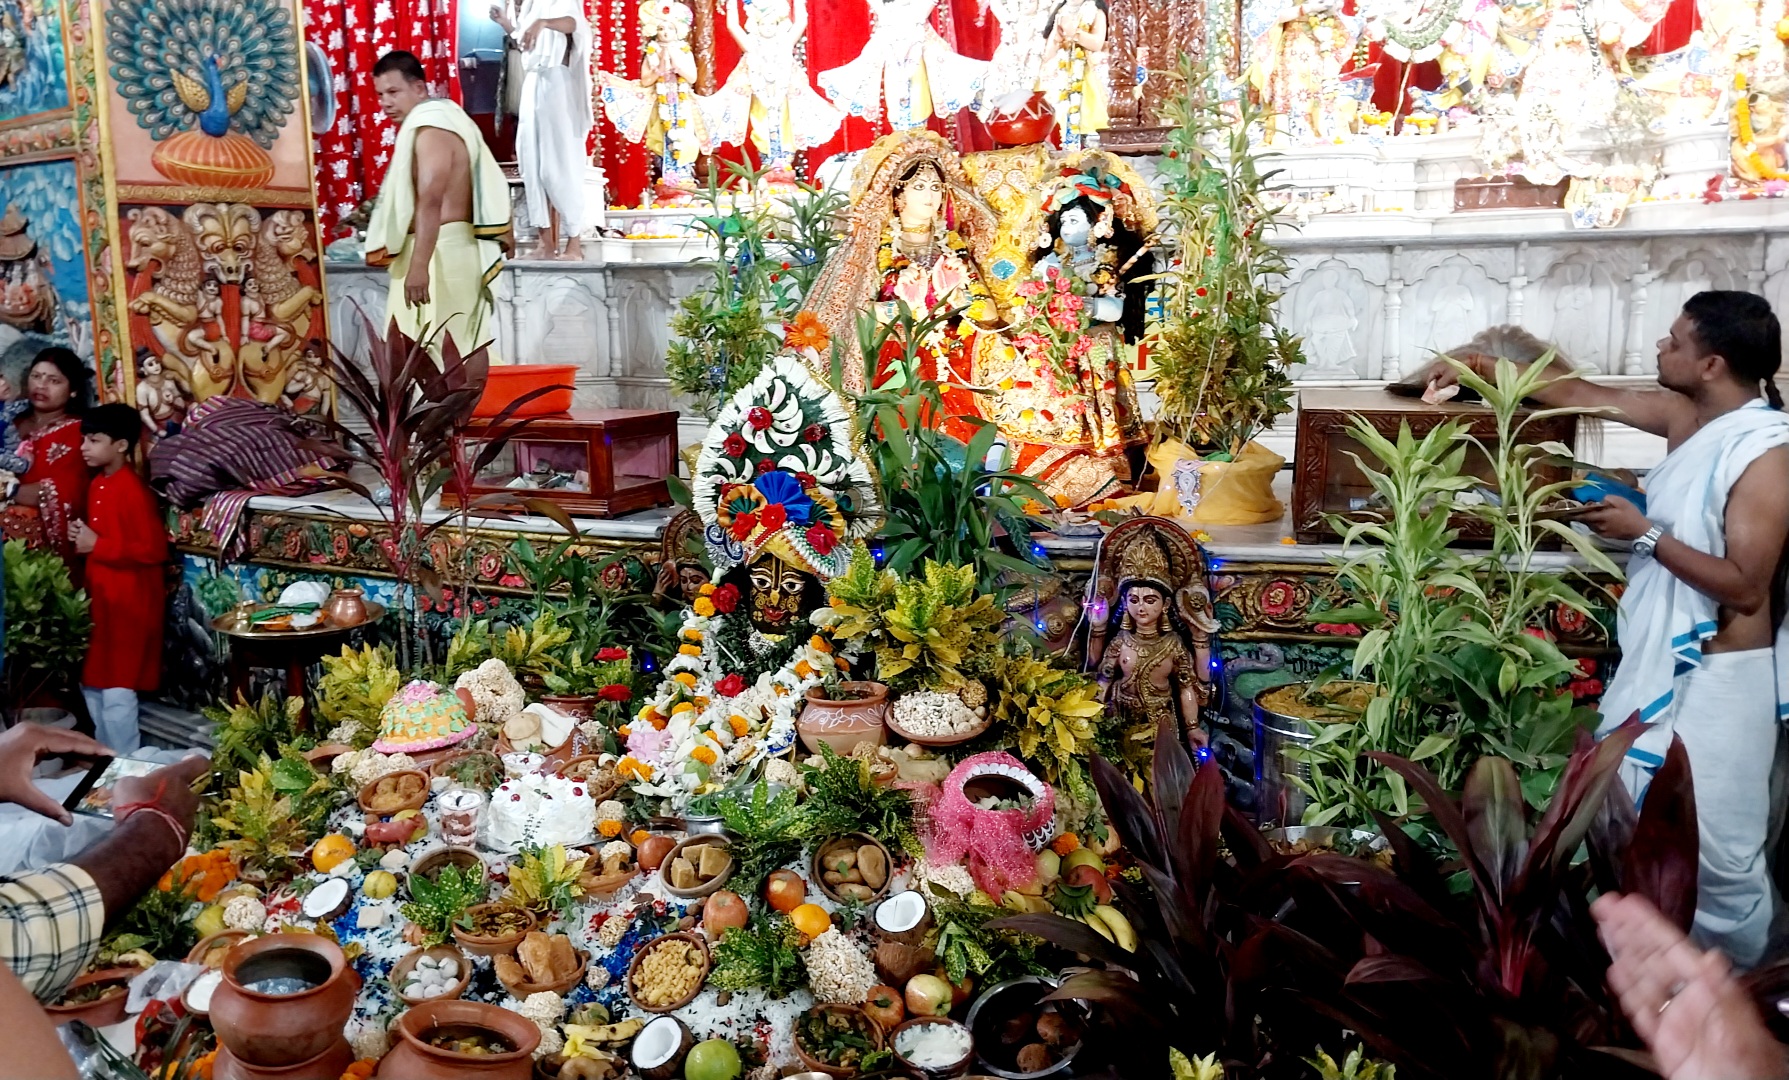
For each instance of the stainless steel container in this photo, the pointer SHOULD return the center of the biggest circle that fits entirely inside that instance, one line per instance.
(1279, 801)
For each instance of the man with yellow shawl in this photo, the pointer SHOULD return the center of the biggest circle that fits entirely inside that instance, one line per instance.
(441, 224)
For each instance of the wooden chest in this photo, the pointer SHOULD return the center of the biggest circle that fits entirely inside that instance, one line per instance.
(1327, 480)
(592, 462)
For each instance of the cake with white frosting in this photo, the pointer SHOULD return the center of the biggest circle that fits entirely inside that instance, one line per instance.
(538, 810)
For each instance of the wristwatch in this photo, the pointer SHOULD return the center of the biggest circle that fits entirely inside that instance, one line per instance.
(1649, 540)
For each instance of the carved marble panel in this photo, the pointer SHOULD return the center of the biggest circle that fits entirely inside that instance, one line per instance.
(1577, 306)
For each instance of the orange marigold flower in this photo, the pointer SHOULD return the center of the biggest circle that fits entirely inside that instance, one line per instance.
(632, 766)
(360, 1070)
(739, 725)
(690, 650)
(704, 606)
(686, 678)
(624, 730)
(819, 644)
(683, 707)
(638, 837)
(1062, 501)
(803, 669)
(690, 633)
(609, 829)
(707, 588)
(1065, 843)
(660, 725)
(704, 754)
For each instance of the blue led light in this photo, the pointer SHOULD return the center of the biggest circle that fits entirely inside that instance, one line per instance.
(647, 663)
(1202, 755)
(1037, 549)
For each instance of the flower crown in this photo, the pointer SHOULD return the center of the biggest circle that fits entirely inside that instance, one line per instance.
(781, 471)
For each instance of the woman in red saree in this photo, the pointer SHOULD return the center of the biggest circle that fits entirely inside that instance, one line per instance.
(53, 492)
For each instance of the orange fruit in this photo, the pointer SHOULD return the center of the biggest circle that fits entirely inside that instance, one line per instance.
(331, 851)
(811, 919)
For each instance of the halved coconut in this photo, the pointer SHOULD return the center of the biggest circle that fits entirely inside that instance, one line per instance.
(660, 1047)
(328, 901)
(904, 917)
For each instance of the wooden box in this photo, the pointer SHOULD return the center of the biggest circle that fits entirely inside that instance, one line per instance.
(1507, 193)
(593, 462)
(1327, 481)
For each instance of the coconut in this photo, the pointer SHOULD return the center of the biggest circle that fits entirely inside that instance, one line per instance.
(660, 1047)
(328, 901)
(904, 917)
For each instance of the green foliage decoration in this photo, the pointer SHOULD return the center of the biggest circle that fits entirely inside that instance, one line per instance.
(47, 624)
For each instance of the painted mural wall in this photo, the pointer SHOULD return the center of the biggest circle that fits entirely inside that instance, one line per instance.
(216, 259)
(44, 280)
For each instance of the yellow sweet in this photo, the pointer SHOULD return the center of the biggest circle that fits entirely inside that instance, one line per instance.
(380, 884)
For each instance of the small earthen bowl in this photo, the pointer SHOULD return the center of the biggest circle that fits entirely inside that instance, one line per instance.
(634, 967)
(400, 972)
(521, 990)
(500, 945)
(707, 887)
(415, 802)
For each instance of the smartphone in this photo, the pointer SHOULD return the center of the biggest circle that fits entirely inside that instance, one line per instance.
(94, 772)
(97, 799)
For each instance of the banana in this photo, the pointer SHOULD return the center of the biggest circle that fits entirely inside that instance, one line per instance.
(1124, 935)
(1013, 900)
(1099, 927)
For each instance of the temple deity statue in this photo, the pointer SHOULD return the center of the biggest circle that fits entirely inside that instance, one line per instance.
(1078, 69)
(1296, 60)
(917, 234)
(659, 108)
(1017, 69)
(908, 65)
(768, 91)
(1067, 406)
(1153, 625)
(784, 494)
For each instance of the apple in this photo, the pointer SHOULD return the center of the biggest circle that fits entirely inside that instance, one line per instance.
(1049, 867)
(1087, 875)
(1082, 857)
(884, 1006)
(785, 891)
(929, 995)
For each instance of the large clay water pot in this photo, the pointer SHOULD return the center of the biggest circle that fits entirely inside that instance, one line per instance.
(412, 1058)
(284, 1000)
(843, 724)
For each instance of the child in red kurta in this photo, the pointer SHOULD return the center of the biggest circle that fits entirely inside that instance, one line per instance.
(126, 546)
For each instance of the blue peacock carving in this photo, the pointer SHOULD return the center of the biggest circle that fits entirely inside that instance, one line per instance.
(217, 65)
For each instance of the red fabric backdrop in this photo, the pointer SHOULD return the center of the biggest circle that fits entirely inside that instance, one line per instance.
(353, 34)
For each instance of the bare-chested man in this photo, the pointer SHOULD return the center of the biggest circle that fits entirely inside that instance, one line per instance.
(1700, 622)
(441, 224)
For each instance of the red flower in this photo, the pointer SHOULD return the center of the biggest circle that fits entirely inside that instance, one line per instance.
(773, 516)
(725, 599)
(813, 433)
(615, 692)
(758, 417)
(822, 539)
(731, 686)
(611, 653)
(734, 446)
(765, 466)
(743, 524)
(478, 607)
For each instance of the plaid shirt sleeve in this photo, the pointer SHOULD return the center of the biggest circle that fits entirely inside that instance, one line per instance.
(54, 918)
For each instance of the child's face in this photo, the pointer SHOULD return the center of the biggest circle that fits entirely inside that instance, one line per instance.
(103, 451)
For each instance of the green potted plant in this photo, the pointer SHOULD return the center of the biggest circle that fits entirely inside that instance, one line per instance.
(47, 627)
(585, 686)
(1222, 363)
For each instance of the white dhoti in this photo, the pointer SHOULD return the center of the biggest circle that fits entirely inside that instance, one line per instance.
(556, 114)
(1725, 706)
(1728, 724)
(550, 136)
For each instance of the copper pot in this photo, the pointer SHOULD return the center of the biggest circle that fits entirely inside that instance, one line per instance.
(412, 1058)
(264, 1029)
(345, 607)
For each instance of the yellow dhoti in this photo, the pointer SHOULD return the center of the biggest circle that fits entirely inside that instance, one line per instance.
(468, 255)
(459, 304)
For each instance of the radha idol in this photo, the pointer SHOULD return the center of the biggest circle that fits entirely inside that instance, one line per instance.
(785, 494)
(917, 234)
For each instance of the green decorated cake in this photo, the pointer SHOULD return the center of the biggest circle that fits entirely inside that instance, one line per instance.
(422, 716)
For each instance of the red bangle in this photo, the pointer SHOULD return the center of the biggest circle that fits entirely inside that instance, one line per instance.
(121, 813)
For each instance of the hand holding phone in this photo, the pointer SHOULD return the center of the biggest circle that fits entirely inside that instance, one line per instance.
(24, 745)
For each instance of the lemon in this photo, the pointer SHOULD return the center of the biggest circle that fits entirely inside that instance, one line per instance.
(380, 884)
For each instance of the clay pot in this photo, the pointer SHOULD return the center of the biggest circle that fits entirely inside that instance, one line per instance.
(329, 1065)
(521, 990)
(1027, 124)
(576, 706)
(436, 859)
(412, 1058)
(266, 1030)
(400, 973)
(853, 841)
(467, 702)
(840, 1071)
(415, 802)
(107, 1010)
(843, 725)
(345, 607)
(957, 1068)
(481, 945)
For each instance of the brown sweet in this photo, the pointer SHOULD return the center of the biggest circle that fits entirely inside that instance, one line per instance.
(872, 863)
(548, 958)
(714, 862)
(683, 875)
(1033, 1057)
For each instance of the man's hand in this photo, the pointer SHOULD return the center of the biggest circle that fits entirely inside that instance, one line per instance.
(530, 35)
(1443, 378)
(416, 285)
(501, 18)
(169, 789)
(83, 536)
(1697, 1020)
(1616, 518)
(22, 747)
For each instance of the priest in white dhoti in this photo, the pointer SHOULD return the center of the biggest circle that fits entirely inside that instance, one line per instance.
(553, 125)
